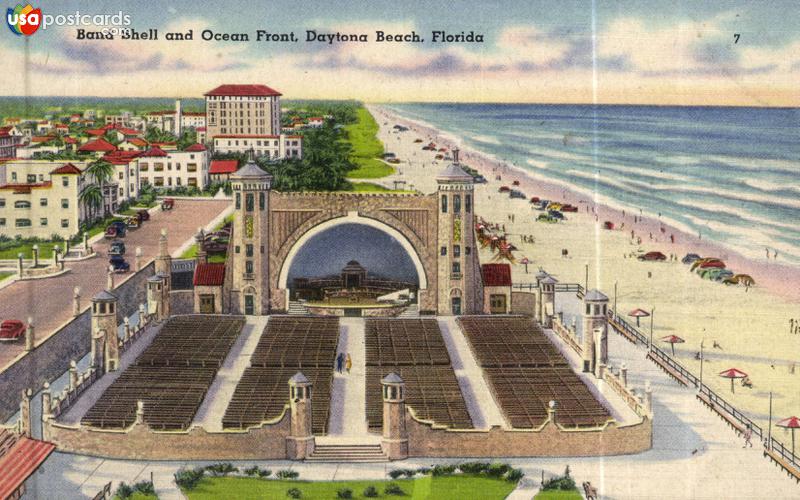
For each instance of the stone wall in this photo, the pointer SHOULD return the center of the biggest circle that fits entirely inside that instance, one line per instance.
(424, 440)
(72, 341)
(523, 303)
(181, 302)
(139, 442)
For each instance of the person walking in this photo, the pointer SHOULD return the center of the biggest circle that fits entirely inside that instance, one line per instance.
(339, 362)
(748, 434)
(349, 363)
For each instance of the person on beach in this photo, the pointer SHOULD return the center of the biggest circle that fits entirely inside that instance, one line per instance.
(339, 362)
(748, 435)
(349, 363)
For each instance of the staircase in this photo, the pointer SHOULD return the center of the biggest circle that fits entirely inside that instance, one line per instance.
(412, 311)
(296, 307)
(352, 453)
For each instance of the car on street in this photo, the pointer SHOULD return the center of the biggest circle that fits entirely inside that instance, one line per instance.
(168, 204)
(11, 329)
(569, 208)
(504, 189)
(555, 214)
(143, 215)
(119, 264)
(546, 218)
(517, 194)
(133, 222)
(116, 248)
(690, 258)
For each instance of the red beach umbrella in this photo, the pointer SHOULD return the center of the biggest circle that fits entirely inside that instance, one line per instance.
(673, 339)
(525, 261)
(790, 423)
(733, 374)
(638, 313)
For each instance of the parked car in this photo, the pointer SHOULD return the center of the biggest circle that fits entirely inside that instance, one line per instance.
(535, 199)
(689, 258)
(504, 189)
(133, 222)
(119, 264)
(11, 329)
(111, 233)
(554, 205)
(479, 179)
(121, 227)
(117, 248)
(546, 218)
(608, 225)
(515, 183)
(167, 204)
(720, 274)
(555, 214)
(517, 194)
(569, 208)
(652, 256)
(144, 215)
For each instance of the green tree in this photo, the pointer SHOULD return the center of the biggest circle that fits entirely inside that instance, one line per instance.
(92, 199)
(102, 172)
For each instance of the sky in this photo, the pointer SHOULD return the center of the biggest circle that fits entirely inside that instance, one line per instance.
(568, 51)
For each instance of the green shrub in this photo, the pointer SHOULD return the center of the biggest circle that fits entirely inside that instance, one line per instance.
(559, 483)
(124, 491)
(423, 470)
(262, 473)
(394, 474)
(473, 467)
(497, 470)
(251, 471)
(145, 488)
(514, 475)
(221, 469)
(287, 474)
(344, 493)
(294, 493)
(370, 492)
(188, 478)
(393, 489)
(443, 470)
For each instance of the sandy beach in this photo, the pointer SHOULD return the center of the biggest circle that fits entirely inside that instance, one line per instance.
(751, 327)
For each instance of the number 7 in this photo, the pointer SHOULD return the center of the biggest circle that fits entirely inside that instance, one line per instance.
(736, 37)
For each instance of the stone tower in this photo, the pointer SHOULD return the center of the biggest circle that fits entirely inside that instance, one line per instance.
(104, 321)
(163, 262)
(300, 442)
(250, 289)
(395, 436)
(457, 268)
(158, 304)
(595, 331)
(547, 289)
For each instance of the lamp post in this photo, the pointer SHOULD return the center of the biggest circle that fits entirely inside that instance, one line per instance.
(701, 366)
(615, 299)
(652, 311)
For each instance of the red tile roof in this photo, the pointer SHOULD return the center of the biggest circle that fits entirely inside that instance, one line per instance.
(223, 167)
(67, 168)
(137, 141)
(496, 274)
(201, 129)
(121, 157)
(243, 90)
(155, 151)
(209, 274)
(196, 147)
(96, 131)
(20, 462)
(26, 188)
(98, 145)
(70, 140)
(193, 113)
(42, 138)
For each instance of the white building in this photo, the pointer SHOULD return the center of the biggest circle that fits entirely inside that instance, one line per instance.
(10, 140)
(275, 147)
(172, 169)
(175, 121)
(243, 109)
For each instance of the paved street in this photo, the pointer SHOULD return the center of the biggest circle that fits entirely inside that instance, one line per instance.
(49, 301)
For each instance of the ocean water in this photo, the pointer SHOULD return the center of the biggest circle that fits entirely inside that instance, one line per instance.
(731, 174)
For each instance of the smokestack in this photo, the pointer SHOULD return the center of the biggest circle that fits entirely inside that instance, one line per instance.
(455, 156)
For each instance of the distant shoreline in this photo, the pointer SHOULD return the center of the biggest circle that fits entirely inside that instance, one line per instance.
(781, 279)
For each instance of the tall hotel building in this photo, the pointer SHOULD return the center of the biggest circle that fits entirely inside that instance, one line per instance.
(243, 110)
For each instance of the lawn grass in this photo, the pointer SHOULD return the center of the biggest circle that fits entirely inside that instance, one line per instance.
(366, 148)
(45, 250)
(370, 187)
(457, 487)
(138, 496)
(214, 258)
(5, 275)
(558, 495)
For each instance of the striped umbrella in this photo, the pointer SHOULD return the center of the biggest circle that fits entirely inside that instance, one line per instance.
(673, 339)
(733, 374)
(790, 423)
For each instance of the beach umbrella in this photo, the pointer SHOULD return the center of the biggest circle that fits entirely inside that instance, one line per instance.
(733, 374)
(525, 261)
(638, 313)
(673, 339)
(790, 423)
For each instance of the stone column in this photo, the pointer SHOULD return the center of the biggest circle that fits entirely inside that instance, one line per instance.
(35, 256)
(139, 412)
(202, 257)
(623, 375)
(86, 242)
(30, 340)
(25, 424)
(110, 279)
(137, 256)
(648, 398)
(19, 264)
(395, 435)
(47, 402)
(551, 411)
(126, 329)
(66, 247)
(98, 339)
(300, 443)
(55, 256)
(142, 315)
(76, 301)
(73, 375)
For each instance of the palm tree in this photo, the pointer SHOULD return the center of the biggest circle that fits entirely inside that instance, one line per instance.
(92, 198)
(102, 171)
